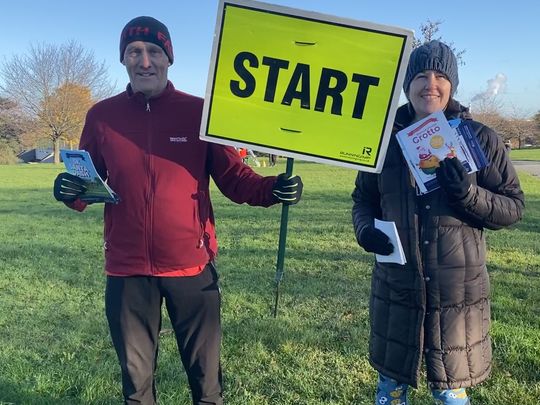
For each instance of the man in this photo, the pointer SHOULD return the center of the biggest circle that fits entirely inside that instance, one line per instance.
(160, 240)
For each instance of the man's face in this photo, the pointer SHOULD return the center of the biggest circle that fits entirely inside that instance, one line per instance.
(429, 92)
(147, 65)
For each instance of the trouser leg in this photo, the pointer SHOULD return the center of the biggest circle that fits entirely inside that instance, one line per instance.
(133, 308)
(193, 304)
(451, 397)
(390, 392)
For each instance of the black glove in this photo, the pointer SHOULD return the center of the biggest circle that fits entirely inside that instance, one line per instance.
(288, 190)
(374, 240)
(453, 178)
(67, 187)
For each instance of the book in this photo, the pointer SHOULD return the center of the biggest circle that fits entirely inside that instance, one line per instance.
(426, 142)
(79, 163)
(397, 256)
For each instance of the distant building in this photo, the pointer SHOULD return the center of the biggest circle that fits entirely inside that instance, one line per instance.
(38, 155)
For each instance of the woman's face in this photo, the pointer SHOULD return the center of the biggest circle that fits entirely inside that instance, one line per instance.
(429, 91)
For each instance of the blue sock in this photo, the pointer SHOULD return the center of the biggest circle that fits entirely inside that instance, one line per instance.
(390, 392)
(451, 397)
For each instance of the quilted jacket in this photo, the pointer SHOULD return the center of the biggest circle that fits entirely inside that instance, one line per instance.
(437, 305)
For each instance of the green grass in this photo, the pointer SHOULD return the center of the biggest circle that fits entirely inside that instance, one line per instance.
(54, 344)
(525, 154)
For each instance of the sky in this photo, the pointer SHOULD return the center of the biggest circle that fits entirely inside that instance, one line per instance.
(500, 39)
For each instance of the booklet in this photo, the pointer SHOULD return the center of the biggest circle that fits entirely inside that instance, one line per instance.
(79, 163)
(397, 256)
(428, 141)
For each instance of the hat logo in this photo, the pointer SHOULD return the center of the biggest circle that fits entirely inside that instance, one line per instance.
(166, 42)
(131, 31)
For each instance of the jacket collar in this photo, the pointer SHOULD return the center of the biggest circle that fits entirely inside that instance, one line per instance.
(141, 99)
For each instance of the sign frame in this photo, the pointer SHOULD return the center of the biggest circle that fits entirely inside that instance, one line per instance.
(391, 107)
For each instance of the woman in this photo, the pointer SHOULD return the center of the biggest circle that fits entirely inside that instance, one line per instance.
(436, 306)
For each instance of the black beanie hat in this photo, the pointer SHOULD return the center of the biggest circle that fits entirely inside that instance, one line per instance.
(434, 55)
(146, 29)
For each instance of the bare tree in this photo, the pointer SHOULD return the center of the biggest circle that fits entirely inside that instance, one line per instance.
(36, 78)
(522, 126)
(536, 123)
(11, 128)
(429, 29)
(536, 119)
(513, 126)
(488, 111)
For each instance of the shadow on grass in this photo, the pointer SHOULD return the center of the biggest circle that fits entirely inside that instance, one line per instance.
(531, 217)
(37, 203)
(11, 393)
(504, 270)
(47, 263)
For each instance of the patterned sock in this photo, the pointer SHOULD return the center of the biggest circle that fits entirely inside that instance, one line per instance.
(451, 397)
(390, 392)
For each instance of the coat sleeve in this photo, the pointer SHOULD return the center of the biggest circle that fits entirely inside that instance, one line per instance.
(496, 200)
(236, 180)
(366, 202)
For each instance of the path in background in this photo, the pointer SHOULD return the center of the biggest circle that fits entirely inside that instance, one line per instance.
(529, 166)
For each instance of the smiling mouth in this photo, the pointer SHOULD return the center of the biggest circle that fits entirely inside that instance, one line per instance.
(430, 97)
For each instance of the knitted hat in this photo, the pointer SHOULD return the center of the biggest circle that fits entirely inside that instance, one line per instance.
(146, 29)
(433, 55)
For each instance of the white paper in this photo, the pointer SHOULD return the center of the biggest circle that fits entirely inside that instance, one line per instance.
(397, 256)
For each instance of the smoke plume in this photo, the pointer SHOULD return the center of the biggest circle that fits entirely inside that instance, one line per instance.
(494, 87)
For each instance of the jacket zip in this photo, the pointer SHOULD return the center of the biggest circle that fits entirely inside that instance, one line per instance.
(149, 195)
(419, 257)
(200, 196)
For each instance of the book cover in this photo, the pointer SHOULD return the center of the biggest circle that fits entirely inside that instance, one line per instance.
(426, 142)
(79, 163)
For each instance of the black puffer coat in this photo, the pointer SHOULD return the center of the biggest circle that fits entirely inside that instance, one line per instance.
(437, 305)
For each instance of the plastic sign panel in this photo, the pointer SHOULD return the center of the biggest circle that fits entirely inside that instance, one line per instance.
(305, 85)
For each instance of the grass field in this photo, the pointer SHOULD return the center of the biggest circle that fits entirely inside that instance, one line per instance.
(54, 344)
(525, 154)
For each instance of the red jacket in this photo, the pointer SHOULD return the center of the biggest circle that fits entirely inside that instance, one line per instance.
(152, 156)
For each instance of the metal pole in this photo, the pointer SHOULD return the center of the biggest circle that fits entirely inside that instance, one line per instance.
(282, 239)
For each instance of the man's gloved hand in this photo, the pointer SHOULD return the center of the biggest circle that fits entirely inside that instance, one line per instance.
(288, 190)
(67, 187)
(374, 240)
(453, 178)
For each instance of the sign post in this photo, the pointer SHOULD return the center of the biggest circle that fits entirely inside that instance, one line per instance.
(282, 240)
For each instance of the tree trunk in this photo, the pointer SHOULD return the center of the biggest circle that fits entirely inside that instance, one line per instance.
(56, 151)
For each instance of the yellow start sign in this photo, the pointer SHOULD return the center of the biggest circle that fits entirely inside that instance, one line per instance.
(303, 84)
